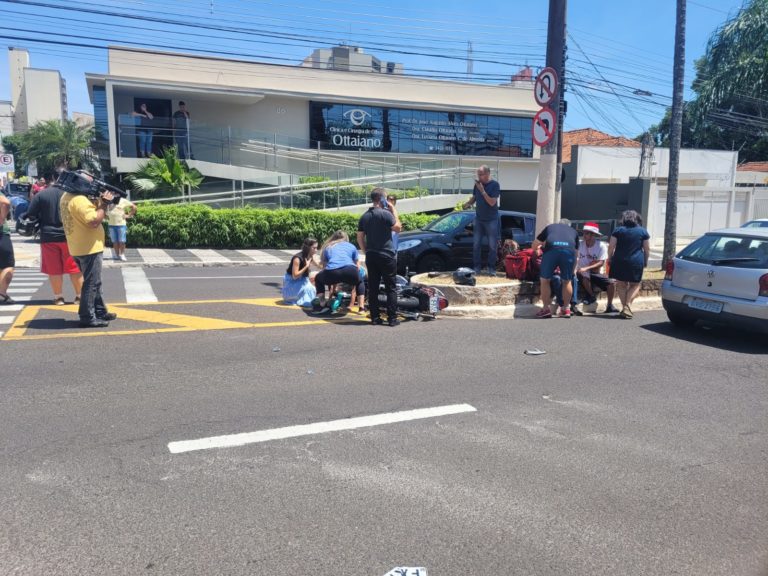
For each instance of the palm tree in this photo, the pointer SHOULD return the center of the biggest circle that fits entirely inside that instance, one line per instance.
(165, 175)
(58, 144)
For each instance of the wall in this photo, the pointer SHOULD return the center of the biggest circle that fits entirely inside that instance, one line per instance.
(328, 84)
(42, 89)
(6, 119)
(603, 201)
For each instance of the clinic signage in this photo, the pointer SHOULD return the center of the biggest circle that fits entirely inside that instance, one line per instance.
(335, 126)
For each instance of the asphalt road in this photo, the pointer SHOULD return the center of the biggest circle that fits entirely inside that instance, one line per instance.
(629, 448)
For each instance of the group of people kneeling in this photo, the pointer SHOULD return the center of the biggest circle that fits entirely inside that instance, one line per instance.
(570, 265)
(308, 282)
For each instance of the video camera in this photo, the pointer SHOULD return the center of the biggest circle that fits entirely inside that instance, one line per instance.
(81, 182)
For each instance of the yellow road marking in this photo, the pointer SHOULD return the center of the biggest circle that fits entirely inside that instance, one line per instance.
(175, 322)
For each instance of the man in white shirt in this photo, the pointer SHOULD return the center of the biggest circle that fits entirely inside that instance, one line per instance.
(592, 257)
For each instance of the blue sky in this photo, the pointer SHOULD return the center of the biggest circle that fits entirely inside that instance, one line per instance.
(615, 47)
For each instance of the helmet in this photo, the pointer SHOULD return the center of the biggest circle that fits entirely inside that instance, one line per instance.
(26, 227)
(465, 277)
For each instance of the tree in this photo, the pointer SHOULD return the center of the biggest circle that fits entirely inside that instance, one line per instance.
(165, 175)
(12, 145)
(730, 107)
(57, 144)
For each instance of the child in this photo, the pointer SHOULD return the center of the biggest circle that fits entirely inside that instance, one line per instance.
(118, 230)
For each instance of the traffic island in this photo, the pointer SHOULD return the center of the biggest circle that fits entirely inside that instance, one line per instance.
(500, 297)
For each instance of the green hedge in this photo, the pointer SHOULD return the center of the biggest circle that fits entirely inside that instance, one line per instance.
(196, 225)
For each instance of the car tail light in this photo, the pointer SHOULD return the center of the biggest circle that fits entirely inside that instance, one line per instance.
(670, 270)
(763, 285)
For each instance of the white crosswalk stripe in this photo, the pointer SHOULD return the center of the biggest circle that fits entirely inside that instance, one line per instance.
(155, 256)
(209, 256)
(262, 257)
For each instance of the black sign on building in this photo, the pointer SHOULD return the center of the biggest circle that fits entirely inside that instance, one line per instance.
(376, 129)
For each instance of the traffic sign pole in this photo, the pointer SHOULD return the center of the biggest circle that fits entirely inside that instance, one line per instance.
(548, 166)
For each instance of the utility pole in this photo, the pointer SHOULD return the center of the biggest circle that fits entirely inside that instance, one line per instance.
(670, 224)
(470, 63)
(548, 172)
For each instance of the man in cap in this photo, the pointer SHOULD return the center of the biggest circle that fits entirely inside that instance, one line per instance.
(591, 260)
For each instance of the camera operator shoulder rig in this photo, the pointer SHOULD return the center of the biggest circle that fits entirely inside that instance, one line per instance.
(83, 183)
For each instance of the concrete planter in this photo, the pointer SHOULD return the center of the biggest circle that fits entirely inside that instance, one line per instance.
(506, 292)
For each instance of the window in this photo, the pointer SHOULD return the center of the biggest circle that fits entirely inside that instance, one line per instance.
(378, 129)
(728, 250)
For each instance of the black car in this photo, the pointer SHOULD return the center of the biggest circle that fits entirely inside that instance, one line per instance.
(446, 243)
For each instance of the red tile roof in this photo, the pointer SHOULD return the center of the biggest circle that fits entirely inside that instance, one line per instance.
(592, 137)
(753, 167)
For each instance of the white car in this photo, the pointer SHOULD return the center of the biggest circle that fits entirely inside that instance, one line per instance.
(721, 277)
(759, 223)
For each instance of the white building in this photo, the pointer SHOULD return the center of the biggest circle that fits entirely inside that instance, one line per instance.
(37, 95)
(708, 197)
(350, 59)
(268, 125)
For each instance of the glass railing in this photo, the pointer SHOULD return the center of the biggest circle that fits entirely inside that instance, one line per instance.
(295, 175)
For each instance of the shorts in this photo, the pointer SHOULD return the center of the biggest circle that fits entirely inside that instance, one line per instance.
(55, 259)
(564, 259)
(7, 259)
(118, 234)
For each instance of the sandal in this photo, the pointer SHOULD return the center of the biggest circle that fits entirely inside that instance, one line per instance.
(6, 300)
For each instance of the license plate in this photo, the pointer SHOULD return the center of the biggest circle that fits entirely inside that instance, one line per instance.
(434, 304)
(706, 305)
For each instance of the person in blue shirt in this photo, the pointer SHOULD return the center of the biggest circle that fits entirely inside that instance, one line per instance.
(340, 260)
(628, 253)
(485, 197)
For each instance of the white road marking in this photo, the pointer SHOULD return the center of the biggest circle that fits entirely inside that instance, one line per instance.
(209, 255)
(12, 308)
(137, 286)
(208, 277)
(13, 290)
(15, 284)
(7, 319)
(262, 257)
(316, 428)
(155, 256)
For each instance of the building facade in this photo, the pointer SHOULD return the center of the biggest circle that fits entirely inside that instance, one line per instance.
(263, 123)
(37, 95)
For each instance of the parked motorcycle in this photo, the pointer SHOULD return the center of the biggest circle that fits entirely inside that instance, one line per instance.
(414, 301)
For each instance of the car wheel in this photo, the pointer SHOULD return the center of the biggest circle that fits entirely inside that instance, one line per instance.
(431, 263)
(680, 320)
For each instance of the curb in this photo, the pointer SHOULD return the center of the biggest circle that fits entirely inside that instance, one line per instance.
(515, 311)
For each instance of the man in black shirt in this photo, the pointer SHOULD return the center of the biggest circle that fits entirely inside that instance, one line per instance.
(55, 260)
(374, 236)
(561, 245)
(181, 131)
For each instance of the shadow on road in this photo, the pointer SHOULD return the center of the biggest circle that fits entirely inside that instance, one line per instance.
(719, 337)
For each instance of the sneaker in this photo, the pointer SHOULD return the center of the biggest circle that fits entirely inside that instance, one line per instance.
(377, 321)
(610, 309)
(544, 313)
(576, 311)
(5, 299)
(392, 322)
(123, 258)
(565, 312)
(77, 299)
(59, 301)
(108, 317)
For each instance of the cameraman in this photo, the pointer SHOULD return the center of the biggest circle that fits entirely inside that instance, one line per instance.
(82, 217)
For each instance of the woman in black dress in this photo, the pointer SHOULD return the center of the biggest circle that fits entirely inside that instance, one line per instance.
(628, 253)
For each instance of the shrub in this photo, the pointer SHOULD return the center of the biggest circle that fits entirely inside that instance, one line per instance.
(196, 225)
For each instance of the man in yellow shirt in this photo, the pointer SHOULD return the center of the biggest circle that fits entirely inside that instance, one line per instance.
(82, 219)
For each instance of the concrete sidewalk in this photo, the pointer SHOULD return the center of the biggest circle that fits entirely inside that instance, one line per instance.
(27, 252)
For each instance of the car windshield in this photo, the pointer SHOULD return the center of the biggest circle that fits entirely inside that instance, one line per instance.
(728, 250)
(18, 189)
(447, 223)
